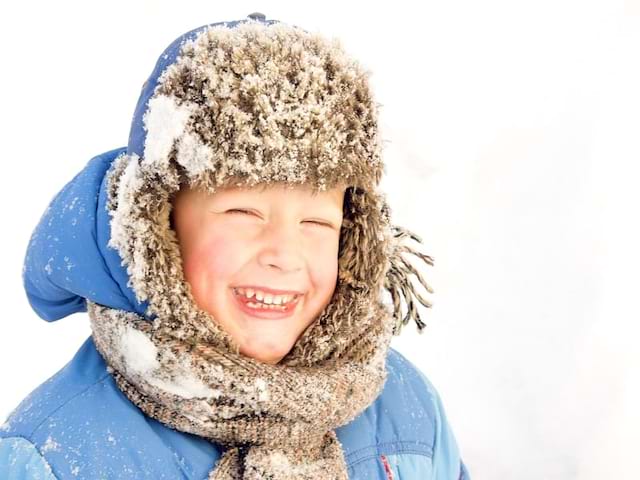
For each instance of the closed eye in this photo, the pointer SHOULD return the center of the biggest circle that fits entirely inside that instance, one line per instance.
(322, 224)
(250, 212)
(239, 210)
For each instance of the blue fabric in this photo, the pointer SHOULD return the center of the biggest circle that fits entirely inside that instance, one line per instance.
(20, 460)
(446, 456)
(85, 427)
(464, 473)
(98, 433)
(81, 425)
(410, 466)
(68, 259)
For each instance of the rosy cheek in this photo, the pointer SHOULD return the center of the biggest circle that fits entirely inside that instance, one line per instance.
(209, 262)
(325, 268)
(331, 277)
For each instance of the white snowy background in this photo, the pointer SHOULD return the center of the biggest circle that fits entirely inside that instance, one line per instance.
(512, 135)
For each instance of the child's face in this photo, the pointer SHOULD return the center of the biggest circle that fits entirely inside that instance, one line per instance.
(261, 239)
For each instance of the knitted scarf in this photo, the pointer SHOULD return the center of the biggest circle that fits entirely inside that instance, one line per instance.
(278, 420)
(177, 364)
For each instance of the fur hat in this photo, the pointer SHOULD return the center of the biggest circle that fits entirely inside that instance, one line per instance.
(248, 103)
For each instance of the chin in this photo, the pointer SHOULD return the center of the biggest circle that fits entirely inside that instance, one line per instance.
(269, 359)
(266, 354)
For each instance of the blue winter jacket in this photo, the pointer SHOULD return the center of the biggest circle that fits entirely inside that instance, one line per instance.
(78, 425)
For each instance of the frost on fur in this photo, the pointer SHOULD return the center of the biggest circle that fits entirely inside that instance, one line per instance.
(265, 104)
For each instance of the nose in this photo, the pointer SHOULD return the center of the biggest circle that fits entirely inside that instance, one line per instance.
(281, 248)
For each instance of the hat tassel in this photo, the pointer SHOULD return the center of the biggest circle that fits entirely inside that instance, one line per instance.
(399, 284)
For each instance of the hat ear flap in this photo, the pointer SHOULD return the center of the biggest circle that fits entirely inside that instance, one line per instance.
(363, 248)
(371, 255)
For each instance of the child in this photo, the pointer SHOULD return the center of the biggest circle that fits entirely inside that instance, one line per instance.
(232, 260)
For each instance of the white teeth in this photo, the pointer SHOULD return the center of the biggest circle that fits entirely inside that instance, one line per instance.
(265, 298)
(262, 306)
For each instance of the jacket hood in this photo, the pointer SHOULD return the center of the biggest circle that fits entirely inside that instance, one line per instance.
(67, 259)
(244, 103)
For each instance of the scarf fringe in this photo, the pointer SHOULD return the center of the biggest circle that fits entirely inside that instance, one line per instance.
(398, 280)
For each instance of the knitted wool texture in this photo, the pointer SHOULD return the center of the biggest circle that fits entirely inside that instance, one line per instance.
(246, 106)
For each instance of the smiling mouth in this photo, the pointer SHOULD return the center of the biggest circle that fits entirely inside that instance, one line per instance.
(259, 298)
(254, 306)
